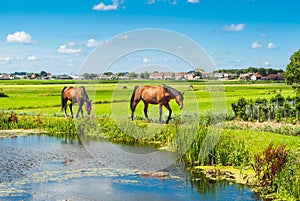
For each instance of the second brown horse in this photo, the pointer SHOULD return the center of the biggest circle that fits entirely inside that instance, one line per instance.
(75, 95)
(160, 95)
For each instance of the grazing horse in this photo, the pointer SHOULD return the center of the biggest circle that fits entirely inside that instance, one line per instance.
(191, 87)
(124, 87)
(160, 95)
(75, 95)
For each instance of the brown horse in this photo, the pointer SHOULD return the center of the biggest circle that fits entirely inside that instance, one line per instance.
(75, 95)
(160, 95)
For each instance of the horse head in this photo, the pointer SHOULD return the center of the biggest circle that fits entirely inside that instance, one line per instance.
(88, 106)
(179, 99)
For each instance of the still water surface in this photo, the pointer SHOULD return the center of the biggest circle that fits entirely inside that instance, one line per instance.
(39, 167)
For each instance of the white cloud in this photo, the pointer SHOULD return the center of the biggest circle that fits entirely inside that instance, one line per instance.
(92, 43)
(255, 45)
(5, 60)
(234, 27)
(31, 58)
(68, 49)
(265, 63)
(19, 37)
(193, 1)
(103, 7)
(271, 46)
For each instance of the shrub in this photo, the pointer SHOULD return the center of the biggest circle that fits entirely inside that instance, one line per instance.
(268, 164)
(239, 108)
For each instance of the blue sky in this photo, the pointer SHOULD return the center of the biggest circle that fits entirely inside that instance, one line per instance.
(58, 36)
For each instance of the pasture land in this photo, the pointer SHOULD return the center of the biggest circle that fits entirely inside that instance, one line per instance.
(43, 97)
(37, 105)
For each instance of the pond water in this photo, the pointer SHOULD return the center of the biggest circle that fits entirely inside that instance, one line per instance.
(40, 167)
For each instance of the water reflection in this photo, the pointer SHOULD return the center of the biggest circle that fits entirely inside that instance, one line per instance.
(40, 167)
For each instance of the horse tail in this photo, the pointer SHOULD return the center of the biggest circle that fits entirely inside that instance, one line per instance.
(132, 97)
(63, 103)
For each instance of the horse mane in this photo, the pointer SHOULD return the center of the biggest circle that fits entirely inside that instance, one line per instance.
(173, 92)
(85, 96)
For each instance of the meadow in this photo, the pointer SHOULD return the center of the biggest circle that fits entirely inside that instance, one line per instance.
(43, 97)
(236, 144)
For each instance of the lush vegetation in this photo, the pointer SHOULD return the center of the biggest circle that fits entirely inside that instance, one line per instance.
(201, 137)
(278, 108)
(293, 72)
(261, 71)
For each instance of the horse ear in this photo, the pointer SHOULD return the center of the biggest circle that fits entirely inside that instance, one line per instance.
(182, 92)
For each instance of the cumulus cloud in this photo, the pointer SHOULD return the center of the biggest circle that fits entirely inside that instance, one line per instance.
(19, 37)
(234, 27)
(103, 7)
(271, 46)
(68, 49)
(92, 43)
(255, 45)
(5, 60)
(193, 1)
(31, 58)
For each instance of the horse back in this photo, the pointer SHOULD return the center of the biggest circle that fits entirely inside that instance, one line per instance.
(153, 94)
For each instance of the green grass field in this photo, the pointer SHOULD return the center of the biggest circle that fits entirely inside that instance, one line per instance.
(43, 97)
(237, 146)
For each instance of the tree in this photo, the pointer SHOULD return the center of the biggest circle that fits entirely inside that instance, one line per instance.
(292, 74)
(145, 75)
(43, 73)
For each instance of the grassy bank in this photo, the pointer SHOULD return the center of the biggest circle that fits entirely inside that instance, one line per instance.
(206, 143)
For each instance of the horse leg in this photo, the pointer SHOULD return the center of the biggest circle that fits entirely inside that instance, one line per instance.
(65, 107)
(79, 110)
(160, 113)
(170, 112)
(145, 110)
(70, 106)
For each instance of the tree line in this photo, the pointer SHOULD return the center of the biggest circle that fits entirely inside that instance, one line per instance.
(261, 71)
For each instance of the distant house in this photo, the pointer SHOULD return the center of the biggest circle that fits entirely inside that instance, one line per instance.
(278, 76)
(190, 76)
(157, 76)
(256, 76)
(64, 77)
(5, 77)
(218, 76)
(169, 75)
(33, 76)
(205, 75)
(180, 75)
(246, 76)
